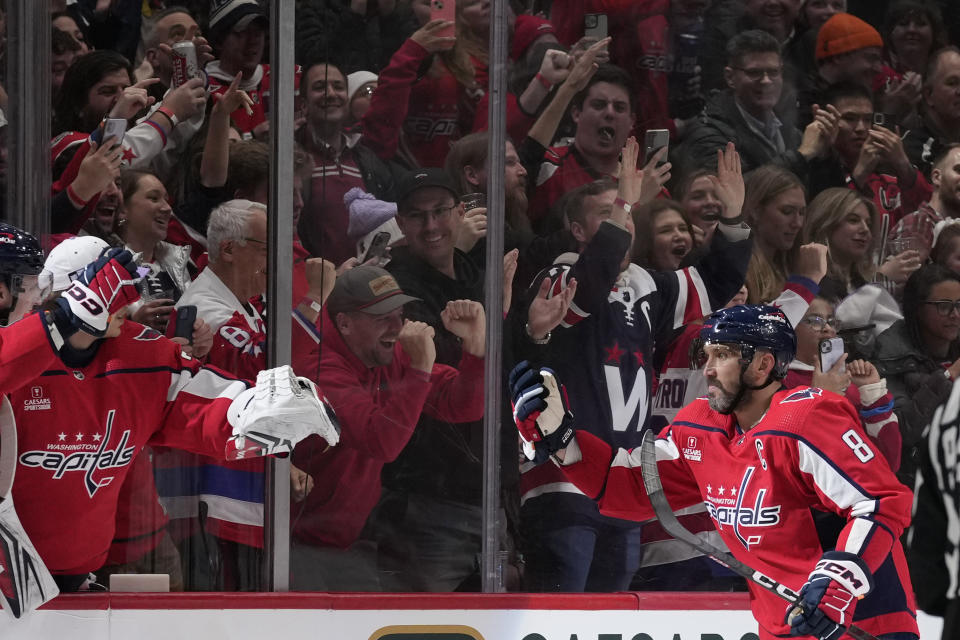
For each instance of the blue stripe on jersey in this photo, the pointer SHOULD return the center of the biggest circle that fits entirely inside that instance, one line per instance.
(887, 595)
(233, 483)
(701, 427)
(869, 413)
(879, 524)
(823, 456)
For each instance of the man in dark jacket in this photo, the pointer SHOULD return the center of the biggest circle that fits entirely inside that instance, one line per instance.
(744, 114)
(429, 523)
(941, 114)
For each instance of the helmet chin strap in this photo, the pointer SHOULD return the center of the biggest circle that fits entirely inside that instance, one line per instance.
(744, 387)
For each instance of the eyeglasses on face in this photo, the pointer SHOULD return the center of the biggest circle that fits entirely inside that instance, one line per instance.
(820, 322)
(420, 218)
(773, 73)
(944, 307)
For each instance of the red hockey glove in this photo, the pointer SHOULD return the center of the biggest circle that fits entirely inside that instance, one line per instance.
(541, 411)
(105, 286)
(829, 598)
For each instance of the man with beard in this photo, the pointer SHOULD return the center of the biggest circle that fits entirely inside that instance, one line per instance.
(762, 459)
(941, 115)
(745, 113)
(341, 162)
(467, 165)
(605, 348)
(944, 203)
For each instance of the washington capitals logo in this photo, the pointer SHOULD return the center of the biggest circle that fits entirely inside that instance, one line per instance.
(737, 515)
(804, 394)
(84, 457)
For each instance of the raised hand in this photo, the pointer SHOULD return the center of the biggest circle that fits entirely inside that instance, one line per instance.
(321, 278)
(428, 36)
(106, 286)
(545, 313)
(586, 64)
(98, 169)
(473, 228)
(728, 183)
(467, 320)
(416, 339)
(654, 177)
(187, 100)
(811, 261)
(556, 66)
(899, 267)
(540, 411)
(862, 372)
(630, 179)
(133, 100)
(232, 99)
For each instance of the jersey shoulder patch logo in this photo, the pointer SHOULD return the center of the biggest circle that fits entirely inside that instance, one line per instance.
(804, 394)
(148, 335)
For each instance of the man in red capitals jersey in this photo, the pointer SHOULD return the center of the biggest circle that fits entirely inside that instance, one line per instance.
(89, 390)
(759, 458)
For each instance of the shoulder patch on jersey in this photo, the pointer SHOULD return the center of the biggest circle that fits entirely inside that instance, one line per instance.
(804, 394)
(148, 334)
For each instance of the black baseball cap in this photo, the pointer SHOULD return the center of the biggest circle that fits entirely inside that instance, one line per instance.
(420, 178)
(368, 289)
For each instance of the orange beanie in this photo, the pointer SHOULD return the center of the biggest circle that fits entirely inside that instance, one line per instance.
(844, 33)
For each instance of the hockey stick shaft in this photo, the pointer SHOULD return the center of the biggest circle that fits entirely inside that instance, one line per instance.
(670, 524)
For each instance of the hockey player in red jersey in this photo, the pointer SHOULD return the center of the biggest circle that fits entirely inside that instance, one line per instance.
(760, 458)
(89, 390)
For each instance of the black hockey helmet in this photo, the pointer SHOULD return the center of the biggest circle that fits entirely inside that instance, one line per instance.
(20, 253)
(753, 326)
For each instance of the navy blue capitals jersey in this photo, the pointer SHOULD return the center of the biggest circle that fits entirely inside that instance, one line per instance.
(604, 348)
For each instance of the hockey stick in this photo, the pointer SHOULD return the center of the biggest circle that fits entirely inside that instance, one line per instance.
(670, 524)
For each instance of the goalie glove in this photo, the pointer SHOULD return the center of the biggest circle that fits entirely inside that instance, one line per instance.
(829, 598)
(105, 286)
(541, 411)
(280, 411)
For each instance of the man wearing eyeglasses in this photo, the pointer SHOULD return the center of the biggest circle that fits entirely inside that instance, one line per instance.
(745, 114)
(226, 294)
(431, 504)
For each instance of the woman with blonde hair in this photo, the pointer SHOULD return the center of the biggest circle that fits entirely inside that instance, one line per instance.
(843, 220)
(846, 222)
(774, 207)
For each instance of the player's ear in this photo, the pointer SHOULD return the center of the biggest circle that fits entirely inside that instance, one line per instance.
(6, 299)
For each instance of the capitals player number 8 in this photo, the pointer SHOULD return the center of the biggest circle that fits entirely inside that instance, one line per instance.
(859, 447)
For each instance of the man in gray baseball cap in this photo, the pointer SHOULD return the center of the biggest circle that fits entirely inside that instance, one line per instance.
(378, 373)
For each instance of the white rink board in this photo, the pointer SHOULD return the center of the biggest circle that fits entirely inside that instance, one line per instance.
(259, 624)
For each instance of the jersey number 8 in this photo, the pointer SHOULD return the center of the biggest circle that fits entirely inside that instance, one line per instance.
(860, 448)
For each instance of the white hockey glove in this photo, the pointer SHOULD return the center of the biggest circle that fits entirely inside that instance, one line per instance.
(280, 411)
